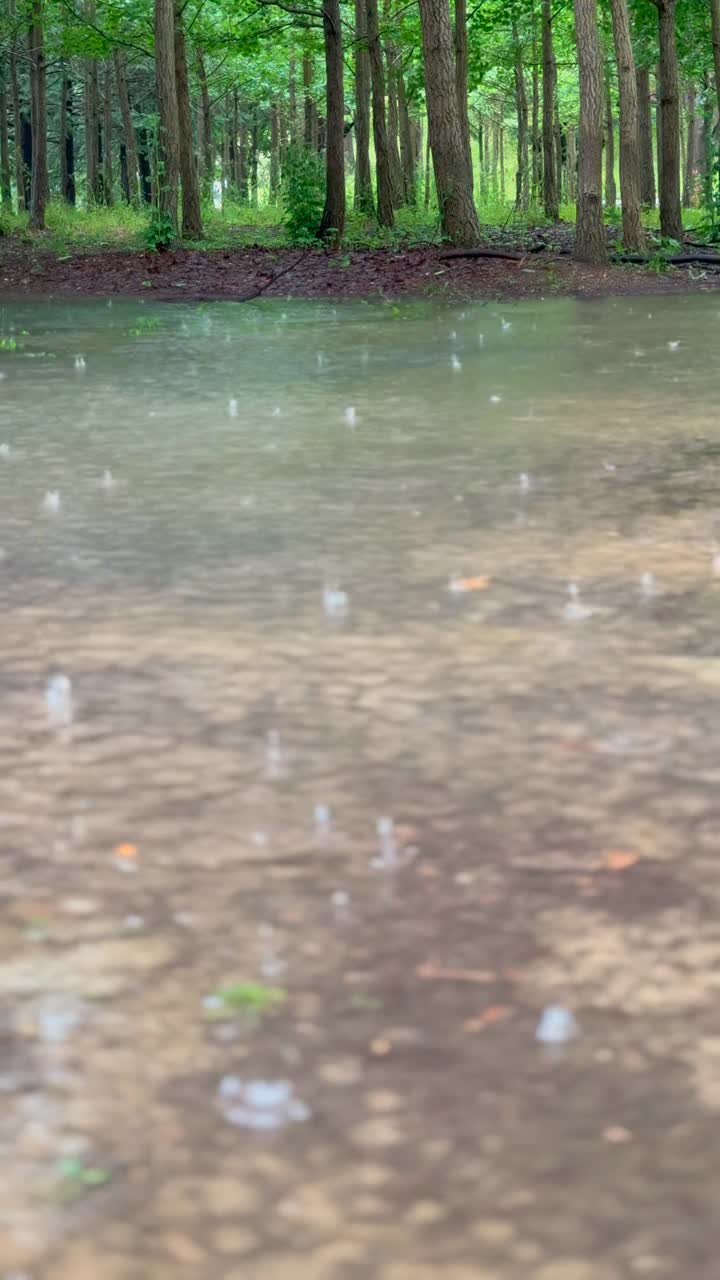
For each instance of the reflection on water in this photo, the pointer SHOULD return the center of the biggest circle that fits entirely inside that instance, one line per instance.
(358, 702)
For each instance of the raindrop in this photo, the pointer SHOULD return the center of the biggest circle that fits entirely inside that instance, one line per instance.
(79, 362)
(556, 1026)
(350, 416)
(638, 353)
(387, 852)
(321, 817)
(232, 408)
(321, 361)
(260, 1104)
(4, 450)
(648, 585)
(574, 610)
(609, 466)
(59, 701)
(524, 482)
(455, 363)
(673, 346)
(273, 754)
(108, 480)
(453, 336)
(51, 501)
(335, 602)
(277, 412)
(481, 339)
(260, 839)
(495, 399)
(506, 326)
(341, 905)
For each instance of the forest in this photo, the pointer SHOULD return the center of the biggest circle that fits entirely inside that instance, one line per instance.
(385, 115)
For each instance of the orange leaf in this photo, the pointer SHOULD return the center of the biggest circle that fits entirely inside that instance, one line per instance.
(479, 583)
(125, 851)
(493, 1013)
(619, 859)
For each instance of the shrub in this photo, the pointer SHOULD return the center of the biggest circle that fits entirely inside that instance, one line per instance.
(303, 195)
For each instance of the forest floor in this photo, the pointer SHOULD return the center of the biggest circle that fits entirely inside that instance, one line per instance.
(247, 271)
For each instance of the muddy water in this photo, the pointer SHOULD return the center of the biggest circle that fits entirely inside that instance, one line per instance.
(243, 1035)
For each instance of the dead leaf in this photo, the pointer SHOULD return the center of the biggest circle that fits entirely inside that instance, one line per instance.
(125, 850)
(617, 1133)
(620, 859)
(380, 1047)
(479, 583)
(434, 973)
(494, 1013)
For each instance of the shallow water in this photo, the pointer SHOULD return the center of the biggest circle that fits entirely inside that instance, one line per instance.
(548, 759)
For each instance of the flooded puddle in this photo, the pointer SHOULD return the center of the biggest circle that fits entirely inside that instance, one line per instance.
(359, 689)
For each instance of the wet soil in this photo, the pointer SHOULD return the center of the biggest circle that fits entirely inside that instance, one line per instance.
(245, 273)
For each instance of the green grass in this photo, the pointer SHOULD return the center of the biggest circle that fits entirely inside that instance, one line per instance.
(70, 231)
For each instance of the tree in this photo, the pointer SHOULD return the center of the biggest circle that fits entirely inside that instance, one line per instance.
(385, 212)
(332, 223)
(168, 142)
(191, 216)
(549, 84)
(645, 145)
(461, 83)
(364, 201)
(39, 189)
(130, 142)
(669, 151)
(590, 242)
(457, 211)
(633, 237)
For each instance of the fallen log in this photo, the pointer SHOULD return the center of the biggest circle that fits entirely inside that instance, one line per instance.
(677, 260)
(512, 254)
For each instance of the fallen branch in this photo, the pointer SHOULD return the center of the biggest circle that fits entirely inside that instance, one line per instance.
(512, 254)
(677, 260)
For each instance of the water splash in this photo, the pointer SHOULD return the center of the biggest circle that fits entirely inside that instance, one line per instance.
(455, 363)
(51, 501)
(506, 326)
(524, 482)
(673, 346)
(5, 451)
(108, 480)
(322, 821)
(386, 858)
(59, 701)
(232, 408)
(263, 1105)
(648, 585)
(557, 1026)
(495, 399)
(575, 610)
(80, 362)
(335, 602)
(350, 416)
(273, 754)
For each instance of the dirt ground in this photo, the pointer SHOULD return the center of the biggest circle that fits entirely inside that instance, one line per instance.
(245, 273)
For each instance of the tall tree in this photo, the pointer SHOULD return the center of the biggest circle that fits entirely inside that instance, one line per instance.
(332, 222)
(461, 83)
(191, 216)
(590, 242)
(645, 143)
(457, 211)
(610, 188)
(168, 141)
(107, 136)
(670, 210)
(364, 202)
(5, 186)
(522, 185)
(66, 139)
(207, 158)
(39, 189)
(129, 138)
(691, 148)
(715, 30)
(630, 169)
(385, 213)
(93, 176)
(551, 196)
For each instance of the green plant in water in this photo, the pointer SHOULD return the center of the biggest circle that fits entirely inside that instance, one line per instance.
(245, 997)
(303, 195)
(8, 344)
(144, 325)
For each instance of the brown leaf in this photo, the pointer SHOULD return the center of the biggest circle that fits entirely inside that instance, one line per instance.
(494, 1013)
(620, 859)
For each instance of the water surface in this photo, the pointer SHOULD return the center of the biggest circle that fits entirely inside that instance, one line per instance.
(548, 758)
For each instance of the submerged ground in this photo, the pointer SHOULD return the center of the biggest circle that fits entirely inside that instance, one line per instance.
(243, 1035)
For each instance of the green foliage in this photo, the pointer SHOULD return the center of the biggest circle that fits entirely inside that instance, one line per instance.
(303, 195)
(246, 997)
(78, 1177)
(709, 227)
(160, 232)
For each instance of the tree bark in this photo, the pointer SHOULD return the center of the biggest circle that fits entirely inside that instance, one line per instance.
(233, 148)
(307, 68)
(551, 195)
(522, 193)
(535, 143)
(630, 169)
(5, 187)
(124, 178)
(364, 201)
(385, 214)
(39, 188)
(206, 151)
(407, 147)
(93, 176)
(166, 95)
(129, 140)
(243, 177)
(610, 188)
(144, 169)
(107, 136)
(461, 85)
(590, 242)
(21, 175)
(254, 153)
(393, 125)
(274, 152)
(426, 193)
(295, 130)
(457, 211)
(670, 210)
(645, 145)
(571, 165)
(332, 222)
(66, 140)
(715, 30)
(559, 164)
(691, 149)
(708, 150)
(191, 214)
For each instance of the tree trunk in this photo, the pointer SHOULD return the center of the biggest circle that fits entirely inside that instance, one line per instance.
(610, 188)
(559, 152)
(501, 149)
(124, 176)
(521, 174)
(551, 195)
(715, 28)
(483, 156)
(393, 125)
(332, 223)
(107, 136)
(131, 151)
(66, 140)
(243, 177)
(647, 167)
(233, 148)
(254, 139)
(690, 153)
(461, 85)
(457, 211)
(364, 202)
(708, 149)
(630, 169)
(407, 148)
(349, 145)
(191, 215)
(536, 146)
(495, 156)
(307, 68)
(274, 152)
(206, 151)
(670, 210)
(385, 214)
(93, 177)
(426, 195)
(22, 175)
(144, 169)
(571, 165)
(39, 188)
(590, 242)
(167, 104)
(5, 187)
(295, 131)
